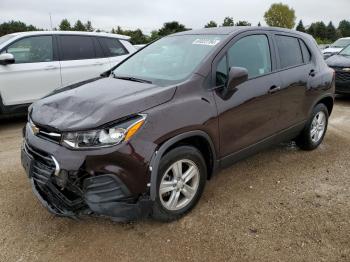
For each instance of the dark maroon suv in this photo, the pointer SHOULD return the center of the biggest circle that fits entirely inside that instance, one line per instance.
(143, 139)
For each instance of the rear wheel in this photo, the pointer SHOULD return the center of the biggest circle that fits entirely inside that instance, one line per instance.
(181, 179)
(312, 135)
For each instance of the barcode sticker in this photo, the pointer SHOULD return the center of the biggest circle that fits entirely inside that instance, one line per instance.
(210, 42)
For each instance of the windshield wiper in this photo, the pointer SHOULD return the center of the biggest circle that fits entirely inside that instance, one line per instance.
(130, 78)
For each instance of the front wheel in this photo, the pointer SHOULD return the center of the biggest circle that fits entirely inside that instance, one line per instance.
(312, 135)
(181, 179)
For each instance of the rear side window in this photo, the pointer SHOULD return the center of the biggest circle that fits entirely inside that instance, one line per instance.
(75, 47)
(112, 47)
(32, 49)
(289, 51)
(306, 52)
(253, 53)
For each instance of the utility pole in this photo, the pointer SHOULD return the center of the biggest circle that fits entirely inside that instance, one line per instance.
(50, 21)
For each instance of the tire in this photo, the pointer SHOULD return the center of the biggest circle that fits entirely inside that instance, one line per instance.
(189, 159)
(308, 139)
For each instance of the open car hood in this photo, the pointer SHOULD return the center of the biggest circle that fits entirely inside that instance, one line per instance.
(95, 102)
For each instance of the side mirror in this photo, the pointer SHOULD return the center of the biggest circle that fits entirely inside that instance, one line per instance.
(6, 59)
(327, 46)
(236, 76)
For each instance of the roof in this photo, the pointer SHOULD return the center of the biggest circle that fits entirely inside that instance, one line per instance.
(228, 30)
(71, 33)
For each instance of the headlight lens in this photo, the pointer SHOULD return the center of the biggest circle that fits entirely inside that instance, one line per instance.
(104, 137)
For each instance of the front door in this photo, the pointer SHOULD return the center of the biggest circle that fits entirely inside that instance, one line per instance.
(250, 114)
(35, 73)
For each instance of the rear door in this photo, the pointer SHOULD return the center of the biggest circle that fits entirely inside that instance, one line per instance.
(35, 73)
(296, 70)
(80, 58)
(114, 49)
(250, 114)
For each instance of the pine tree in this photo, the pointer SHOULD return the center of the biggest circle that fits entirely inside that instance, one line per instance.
(300, 27)
(331, 32)
(65, 25)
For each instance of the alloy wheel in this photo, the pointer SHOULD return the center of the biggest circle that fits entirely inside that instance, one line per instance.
(318, 127)
(179, 184)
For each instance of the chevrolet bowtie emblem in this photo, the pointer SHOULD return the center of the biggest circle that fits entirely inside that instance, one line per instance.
(35, 129)
(347, 69)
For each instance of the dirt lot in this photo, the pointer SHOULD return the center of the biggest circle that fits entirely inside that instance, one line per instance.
(280, 205)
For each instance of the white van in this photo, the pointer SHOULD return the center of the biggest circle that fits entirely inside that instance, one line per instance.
(32, 64)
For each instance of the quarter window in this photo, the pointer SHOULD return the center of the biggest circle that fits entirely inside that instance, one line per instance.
(306, 52)
(113, 47)
(76, 47)
(32, 49)
(289, 51)
(253, 53)
(221, 72)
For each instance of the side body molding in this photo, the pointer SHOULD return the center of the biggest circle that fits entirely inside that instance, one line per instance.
(154, 164)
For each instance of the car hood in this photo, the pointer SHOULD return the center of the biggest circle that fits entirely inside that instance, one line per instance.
(332, 50)
(338, 61)
(95, 102)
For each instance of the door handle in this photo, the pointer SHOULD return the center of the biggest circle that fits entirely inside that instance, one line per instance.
(312, 72)
(51, 67)
(98, 63)
(274, 89)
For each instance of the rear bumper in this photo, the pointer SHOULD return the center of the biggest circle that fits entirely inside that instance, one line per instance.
(77, 194)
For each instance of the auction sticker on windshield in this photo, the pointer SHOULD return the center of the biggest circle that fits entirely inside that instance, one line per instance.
(210, 42)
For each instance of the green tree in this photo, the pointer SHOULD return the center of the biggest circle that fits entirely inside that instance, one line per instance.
(88, 26)
(78, 26)
(228, 21)
(171, 28)
(280, 15)
(15, 26)
(136, 36)
(331, 32)
(344, 28)
(65, 25)
(243, 23)
(211, 24)
(154, 36)
(300, 27)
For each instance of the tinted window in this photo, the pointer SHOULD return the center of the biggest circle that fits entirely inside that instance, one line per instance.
(306, 52)
(253, 53)
(113, 47)
(221, 72)
(289, 51)
(32, 49)
(76, 47)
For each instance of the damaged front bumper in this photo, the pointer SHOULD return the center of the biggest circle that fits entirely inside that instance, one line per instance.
(73, 194)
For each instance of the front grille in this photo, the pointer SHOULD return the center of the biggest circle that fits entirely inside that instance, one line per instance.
(42, 172)
(341, 75)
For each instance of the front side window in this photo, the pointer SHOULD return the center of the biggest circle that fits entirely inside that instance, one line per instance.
(253, 53)
(221, 72)
(289, 51)
(113, 47)
(32, 49)
(74, 47)
(169, 60)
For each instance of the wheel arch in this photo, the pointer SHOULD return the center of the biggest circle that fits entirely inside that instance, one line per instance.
(198, 139)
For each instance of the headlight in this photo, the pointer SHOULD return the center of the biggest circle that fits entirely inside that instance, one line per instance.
(104, 137)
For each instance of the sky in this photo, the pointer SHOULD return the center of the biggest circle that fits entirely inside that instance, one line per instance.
(151, 14)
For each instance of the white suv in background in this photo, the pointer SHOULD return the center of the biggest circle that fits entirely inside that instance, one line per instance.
(336, 47)
(32, 64)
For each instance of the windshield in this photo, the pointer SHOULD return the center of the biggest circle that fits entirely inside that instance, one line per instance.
(345, 51)
(169, 60)
(341, 43)
(4, 38)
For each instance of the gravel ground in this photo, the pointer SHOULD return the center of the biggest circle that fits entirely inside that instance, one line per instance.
(280, 205)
